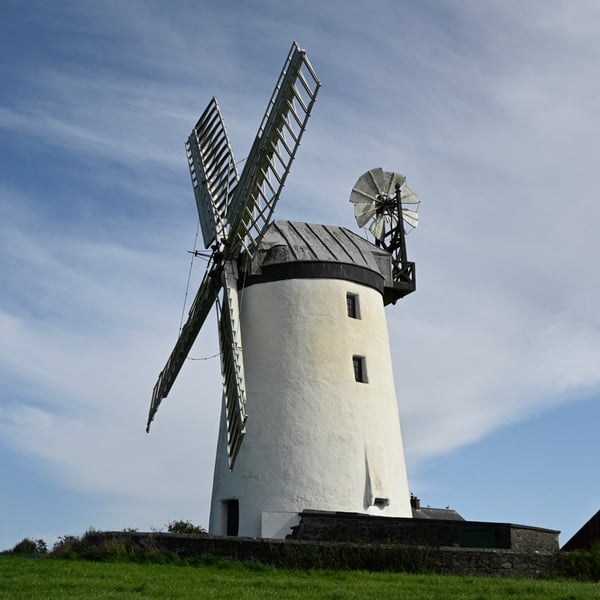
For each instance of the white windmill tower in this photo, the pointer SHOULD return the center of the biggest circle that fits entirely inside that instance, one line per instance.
(309, 416)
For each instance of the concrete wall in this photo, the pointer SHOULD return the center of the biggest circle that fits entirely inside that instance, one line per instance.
(315, 437)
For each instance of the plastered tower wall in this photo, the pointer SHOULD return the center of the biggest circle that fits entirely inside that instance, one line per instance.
(315, 437)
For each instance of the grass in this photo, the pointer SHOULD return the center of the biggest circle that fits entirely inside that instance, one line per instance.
(27, 578)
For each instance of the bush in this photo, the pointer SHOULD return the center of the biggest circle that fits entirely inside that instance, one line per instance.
(580, 564)
(120, 547)
(84, 546)
(185, 527)
(67, 546)
(27, 546)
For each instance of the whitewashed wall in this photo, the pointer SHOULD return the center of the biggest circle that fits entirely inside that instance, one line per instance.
(315, 438)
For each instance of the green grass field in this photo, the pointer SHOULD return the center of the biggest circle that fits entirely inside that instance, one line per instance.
(48, 579)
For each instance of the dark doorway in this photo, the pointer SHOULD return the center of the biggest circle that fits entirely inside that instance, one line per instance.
(233, 516)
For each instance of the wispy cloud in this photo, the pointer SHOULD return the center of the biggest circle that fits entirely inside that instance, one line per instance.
(490, 109)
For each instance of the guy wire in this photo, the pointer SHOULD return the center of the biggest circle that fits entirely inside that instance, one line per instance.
(187, 287)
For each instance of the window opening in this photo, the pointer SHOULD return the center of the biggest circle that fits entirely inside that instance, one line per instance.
(352, 306)
(360, 369)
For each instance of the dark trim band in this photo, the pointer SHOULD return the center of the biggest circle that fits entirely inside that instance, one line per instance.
(315, 270)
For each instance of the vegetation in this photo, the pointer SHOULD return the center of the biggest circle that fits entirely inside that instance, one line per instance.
(581, 565)
(131, 565)
(29, 577)
(27, 546)
(184, 527)
(117, 549)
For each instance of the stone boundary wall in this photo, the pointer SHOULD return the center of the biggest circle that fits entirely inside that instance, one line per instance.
(352, 527)
(295, 554)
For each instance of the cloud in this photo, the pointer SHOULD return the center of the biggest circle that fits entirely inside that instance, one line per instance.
(480, 367)
(78, 359)
(490, 113)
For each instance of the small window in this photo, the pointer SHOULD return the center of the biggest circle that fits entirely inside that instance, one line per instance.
(360, 369)
(352, 306)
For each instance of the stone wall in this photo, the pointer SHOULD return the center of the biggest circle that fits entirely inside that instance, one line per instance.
(533, 539)
(348, 527)
(342, 555)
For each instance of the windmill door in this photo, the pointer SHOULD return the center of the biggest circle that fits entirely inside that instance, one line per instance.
(233, 516)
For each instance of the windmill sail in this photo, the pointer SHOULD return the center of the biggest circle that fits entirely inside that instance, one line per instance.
(233, 215)
(213, 171)
(205, 297)
(232, 364)
(273, 151)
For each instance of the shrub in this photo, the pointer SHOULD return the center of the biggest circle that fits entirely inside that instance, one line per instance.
(580, 564)
(67, 546)
(184, 527)
(113, 547)
(27, 546)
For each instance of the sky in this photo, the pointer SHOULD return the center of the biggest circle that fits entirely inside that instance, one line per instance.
(491, 110)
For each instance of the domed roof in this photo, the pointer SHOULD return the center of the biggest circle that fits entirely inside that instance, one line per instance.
(292, 249)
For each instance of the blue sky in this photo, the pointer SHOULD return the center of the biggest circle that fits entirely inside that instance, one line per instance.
(491, 110)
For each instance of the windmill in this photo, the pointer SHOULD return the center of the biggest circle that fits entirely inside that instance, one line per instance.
(309, 416)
